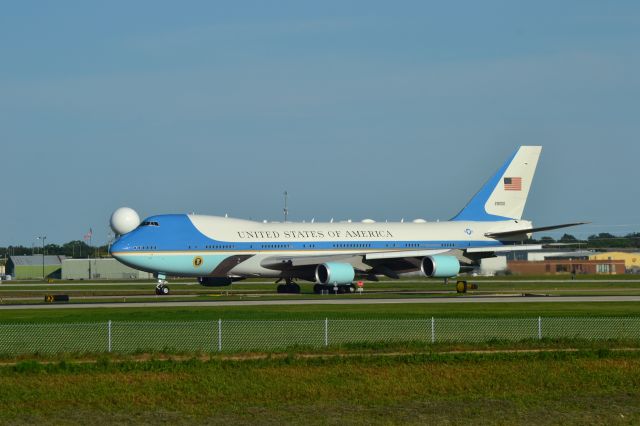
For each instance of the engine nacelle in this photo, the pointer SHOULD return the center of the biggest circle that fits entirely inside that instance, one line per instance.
(215, 281)
(440, 266)
(335, 273)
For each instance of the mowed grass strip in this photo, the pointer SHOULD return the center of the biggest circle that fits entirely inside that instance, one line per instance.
(318, 312)
(590, 387)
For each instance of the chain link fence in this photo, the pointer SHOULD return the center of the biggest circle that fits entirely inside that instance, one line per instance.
(255, 335)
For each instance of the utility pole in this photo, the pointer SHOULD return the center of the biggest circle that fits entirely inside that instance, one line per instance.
(43, 237)
(286, 211)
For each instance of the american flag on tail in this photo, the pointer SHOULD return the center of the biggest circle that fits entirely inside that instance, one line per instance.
(513, 184)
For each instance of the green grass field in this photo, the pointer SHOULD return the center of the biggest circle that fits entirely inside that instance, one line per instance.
(316, 312)
(394, 375)
(280, 327)
(585, 387)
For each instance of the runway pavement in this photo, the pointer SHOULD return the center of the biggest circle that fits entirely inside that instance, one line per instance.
(17, 284)
(334, 300)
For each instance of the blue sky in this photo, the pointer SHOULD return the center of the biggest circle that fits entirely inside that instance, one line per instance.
(359, 109)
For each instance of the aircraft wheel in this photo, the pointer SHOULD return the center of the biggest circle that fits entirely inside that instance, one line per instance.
(281, 288)
(294, 288)
(341, 289)
(317, 289)
(164, 290)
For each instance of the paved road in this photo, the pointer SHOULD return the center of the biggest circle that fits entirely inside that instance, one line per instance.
(335, 300)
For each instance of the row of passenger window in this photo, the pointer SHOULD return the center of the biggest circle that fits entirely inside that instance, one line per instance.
(288, 246)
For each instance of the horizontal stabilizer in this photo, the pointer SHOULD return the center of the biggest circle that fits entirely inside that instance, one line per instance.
(530, 230)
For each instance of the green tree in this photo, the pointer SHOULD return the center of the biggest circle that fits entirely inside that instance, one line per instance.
(568, 238)
(547, 240)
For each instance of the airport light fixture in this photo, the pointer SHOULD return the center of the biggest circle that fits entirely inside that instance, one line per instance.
(79, 245)
(42, 237)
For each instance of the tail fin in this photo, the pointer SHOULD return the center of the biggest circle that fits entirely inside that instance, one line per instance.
(504, 195)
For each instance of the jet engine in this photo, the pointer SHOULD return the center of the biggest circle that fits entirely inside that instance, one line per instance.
(216, 281)
(440, 266)
(335, 273)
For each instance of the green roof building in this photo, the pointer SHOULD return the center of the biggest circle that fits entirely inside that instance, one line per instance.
(31, 267)
(100, 269)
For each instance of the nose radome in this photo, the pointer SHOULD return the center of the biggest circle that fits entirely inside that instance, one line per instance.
(117, 246)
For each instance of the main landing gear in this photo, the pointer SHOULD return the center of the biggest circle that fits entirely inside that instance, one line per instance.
(162, 289)
(289, 287)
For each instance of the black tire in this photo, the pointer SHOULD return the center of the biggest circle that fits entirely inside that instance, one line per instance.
(317, 289)
(341, 289)
(165, 291)
(281, 288)
(295, 288)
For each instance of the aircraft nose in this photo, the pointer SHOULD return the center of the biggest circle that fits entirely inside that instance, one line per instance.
(117, 247)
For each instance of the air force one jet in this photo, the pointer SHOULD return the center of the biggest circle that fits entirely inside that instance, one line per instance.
(221, 250)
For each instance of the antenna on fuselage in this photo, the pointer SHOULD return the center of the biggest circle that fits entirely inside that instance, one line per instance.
(286, 210)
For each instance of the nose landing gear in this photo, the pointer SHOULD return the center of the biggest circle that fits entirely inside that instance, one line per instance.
(162, 289)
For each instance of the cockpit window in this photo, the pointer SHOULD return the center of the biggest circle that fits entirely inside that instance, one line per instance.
(147, 223)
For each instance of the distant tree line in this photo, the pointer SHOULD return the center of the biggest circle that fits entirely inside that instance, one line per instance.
(601, 240)
(76, 249)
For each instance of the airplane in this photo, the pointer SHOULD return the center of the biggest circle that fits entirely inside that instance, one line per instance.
(222, 250)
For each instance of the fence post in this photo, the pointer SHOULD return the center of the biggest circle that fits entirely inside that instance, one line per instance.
(539, 328)
(220, 335)
(109, 336)
(326, 332)
(433, 330)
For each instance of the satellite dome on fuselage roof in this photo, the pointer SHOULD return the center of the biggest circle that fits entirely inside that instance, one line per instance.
(124, 220)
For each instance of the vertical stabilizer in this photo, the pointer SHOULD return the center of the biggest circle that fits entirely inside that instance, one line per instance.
(504, 196)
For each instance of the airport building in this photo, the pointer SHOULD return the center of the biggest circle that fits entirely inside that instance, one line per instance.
(566, 266)
(493, 265)
(631, 260)
(100, 269)
(31, 267)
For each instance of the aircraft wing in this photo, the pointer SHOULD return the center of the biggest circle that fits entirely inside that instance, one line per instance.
(389, 263)
(504, 248)
(304, 266)
(530, 230)
(292, 262)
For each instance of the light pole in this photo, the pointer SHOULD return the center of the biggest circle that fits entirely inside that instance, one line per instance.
(42, 238)
(286, 210)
